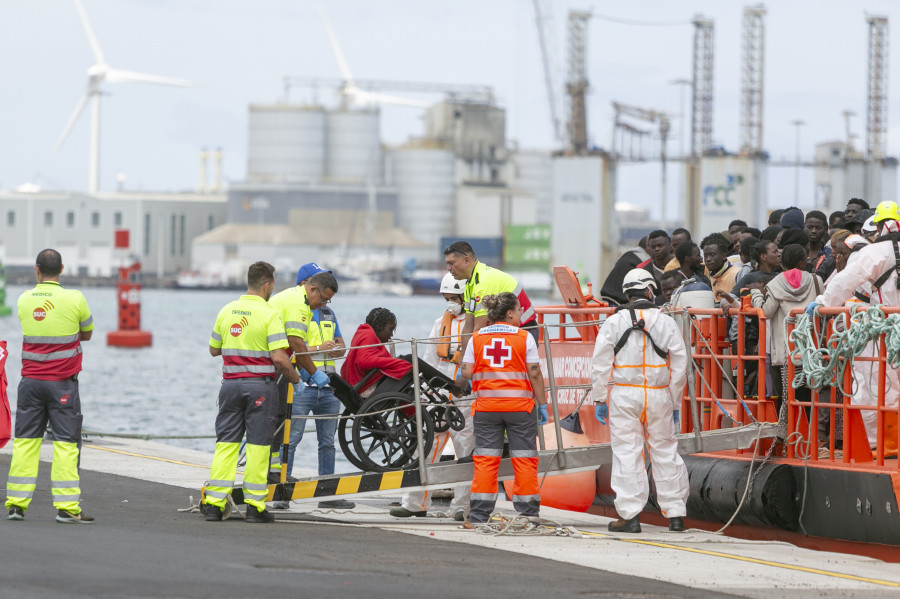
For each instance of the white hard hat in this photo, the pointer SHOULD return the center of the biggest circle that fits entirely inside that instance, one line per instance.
(638, 278)
(451, 285)
(869, 226)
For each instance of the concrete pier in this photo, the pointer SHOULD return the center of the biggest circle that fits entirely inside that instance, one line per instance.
(142, 546)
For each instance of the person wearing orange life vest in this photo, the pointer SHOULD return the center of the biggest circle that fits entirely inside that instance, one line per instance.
(54, 323)
(249, 335)
(503, 364)
(482, 281)
(447, 330)
(644, 350)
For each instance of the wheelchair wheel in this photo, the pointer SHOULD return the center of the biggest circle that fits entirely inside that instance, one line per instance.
(387, 441)
(343, 433)
(440, 416)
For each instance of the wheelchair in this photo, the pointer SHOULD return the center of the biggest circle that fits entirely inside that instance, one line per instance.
(378, 433)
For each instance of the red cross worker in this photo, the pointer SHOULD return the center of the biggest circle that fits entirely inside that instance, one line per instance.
(503, 364)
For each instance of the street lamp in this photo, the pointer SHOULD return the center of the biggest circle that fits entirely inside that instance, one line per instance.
(797, 123)
(684, 83)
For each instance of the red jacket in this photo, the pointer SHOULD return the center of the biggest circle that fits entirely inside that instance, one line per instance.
(359, 362)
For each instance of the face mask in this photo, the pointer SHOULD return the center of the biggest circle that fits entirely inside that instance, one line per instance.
(454, 308)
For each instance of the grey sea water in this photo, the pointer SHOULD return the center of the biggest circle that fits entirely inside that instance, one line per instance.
(170, 389)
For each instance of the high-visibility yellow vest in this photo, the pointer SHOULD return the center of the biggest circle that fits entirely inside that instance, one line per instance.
(52, 321)
(246, 330)
(293, 305)
(319, 332)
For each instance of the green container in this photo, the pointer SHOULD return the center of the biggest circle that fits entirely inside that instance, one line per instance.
(527, 254)
(533, 235)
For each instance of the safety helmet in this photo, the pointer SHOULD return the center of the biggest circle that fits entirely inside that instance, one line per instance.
(452, 285)
(887, 211)
(869, 226)
(638, 278)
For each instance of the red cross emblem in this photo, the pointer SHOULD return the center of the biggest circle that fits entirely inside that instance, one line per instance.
(498, 353)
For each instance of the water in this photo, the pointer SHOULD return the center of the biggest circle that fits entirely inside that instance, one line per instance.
(171, 387)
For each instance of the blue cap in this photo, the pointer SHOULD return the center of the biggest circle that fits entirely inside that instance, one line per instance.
(308, 270)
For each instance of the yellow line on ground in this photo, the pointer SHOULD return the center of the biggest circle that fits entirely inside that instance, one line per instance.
(751, 560)
(149, 457)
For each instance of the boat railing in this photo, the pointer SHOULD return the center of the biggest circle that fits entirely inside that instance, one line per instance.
(853, 391)
(722, 379)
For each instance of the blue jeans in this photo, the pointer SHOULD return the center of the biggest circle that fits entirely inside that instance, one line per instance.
(320, 402)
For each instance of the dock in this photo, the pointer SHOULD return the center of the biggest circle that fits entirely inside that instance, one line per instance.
(143, 546)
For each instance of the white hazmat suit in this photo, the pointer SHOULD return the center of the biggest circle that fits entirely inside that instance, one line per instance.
(863, 268)
(646, 390)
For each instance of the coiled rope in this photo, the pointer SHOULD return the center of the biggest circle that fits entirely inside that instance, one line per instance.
(820, 364)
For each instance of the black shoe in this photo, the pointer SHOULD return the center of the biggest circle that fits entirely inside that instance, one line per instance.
(460, 515)
(676, 524)
(213, 513)
(67, 517)
(16, 513)
(337, 504)
(255, 516)
(620, 525)
(402, 512)
(281, 505)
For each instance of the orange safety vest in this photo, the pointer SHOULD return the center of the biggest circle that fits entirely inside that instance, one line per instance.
(500, 376)
(446, 337)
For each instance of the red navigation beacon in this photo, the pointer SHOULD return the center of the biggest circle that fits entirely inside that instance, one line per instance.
(128, 292)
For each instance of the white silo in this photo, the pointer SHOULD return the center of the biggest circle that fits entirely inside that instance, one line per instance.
(424, 178)
(353, 146)
(533, 173)
(286, 143)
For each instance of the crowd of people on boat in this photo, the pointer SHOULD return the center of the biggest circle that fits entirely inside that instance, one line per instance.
(795, 260)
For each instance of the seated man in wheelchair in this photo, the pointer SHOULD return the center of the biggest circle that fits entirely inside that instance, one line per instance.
(378, 328)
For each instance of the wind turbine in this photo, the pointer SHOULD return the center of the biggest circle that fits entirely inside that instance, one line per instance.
(98, 73)
(349, 91)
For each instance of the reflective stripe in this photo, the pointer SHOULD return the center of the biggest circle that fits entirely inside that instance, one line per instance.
(499, 393)
(256, 486)
(527, 498)
(641, 386)
(277, 337)
(64, 484)
(216, 494)
(55, 355)
(295, 325)
(58, 498)
(523, 453)
(221, 483)
(215, 336)
(246, 353)
(487, 451)
(507, 376)
(483, 497)
(249, 368)
(22, 480)
(527, 314)
(53, 340)
(86, 323)
(17, 493)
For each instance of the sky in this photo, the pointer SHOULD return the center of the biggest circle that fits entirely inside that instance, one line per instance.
(237, 52)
